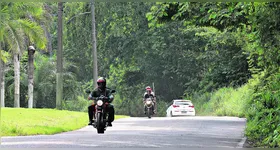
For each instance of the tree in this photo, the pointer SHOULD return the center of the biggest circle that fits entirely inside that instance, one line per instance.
(16, 29)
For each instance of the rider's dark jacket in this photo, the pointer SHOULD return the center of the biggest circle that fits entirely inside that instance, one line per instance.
(98, 92)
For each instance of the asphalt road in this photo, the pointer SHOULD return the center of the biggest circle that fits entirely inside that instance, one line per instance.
(177, 132)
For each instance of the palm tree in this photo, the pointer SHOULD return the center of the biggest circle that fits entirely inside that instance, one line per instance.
(17, 30)
(45, 74)
(31, 51)
(3, 59)
(4, 56)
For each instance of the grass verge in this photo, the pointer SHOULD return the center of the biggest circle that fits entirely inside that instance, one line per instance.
(225, 101)
(22, 121)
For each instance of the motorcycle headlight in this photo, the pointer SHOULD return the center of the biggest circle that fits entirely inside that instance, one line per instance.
(99, 102)
(149, 102)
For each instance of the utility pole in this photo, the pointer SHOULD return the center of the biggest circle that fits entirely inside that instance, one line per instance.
(94, 51)
(59, 65)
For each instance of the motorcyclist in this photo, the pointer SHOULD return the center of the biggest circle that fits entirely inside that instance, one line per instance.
(147, 94)
(101, 90)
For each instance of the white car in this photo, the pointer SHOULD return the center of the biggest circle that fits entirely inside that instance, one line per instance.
(180, 107)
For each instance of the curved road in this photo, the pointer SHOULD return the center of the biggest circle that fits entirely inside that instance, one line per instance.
(177, 132)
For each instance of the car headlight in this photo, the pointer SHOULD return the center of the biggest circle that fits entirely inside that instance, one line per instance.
(99, 102)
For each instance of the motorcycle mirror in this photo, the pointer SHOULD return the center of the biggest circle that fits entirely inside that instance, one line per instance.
(113, 91)
(88, 91)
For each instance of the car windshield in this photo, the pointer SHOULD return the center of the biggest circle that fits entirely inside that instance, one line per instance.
(182, 103)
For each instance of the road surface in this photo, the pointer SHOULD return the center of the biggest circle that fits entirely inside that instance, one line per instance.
(177, 132)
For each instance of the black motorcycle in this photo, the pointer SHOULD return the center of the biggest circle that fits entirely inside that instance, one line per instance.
(101, 115)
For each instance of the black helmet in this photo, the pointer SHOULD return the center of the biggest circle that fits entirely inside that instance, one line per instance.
(101, 82)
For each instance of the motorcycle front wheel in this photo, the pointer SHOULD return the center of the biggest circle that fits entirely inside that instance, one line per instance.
(99, 124)
(149, 112)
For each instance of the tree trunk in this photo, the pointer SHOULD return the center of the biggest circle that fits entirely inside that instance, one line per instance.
(59, 75)
(2, 83)
(2, 80)
(17, 80)
(3, 86)
(30, 77)
(94, 51)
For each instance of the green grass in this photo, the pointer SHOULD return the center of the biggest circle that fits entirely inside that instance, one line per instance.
(224, 102)
(22, 121)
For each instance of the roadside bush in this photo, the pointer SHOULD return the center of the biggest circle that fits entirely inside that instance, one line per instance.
(263, 114)
(223, 102)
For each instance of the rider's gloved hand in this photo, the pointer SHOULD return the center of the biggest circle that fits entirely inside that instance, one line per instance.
(89, 97)
(106, 98)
